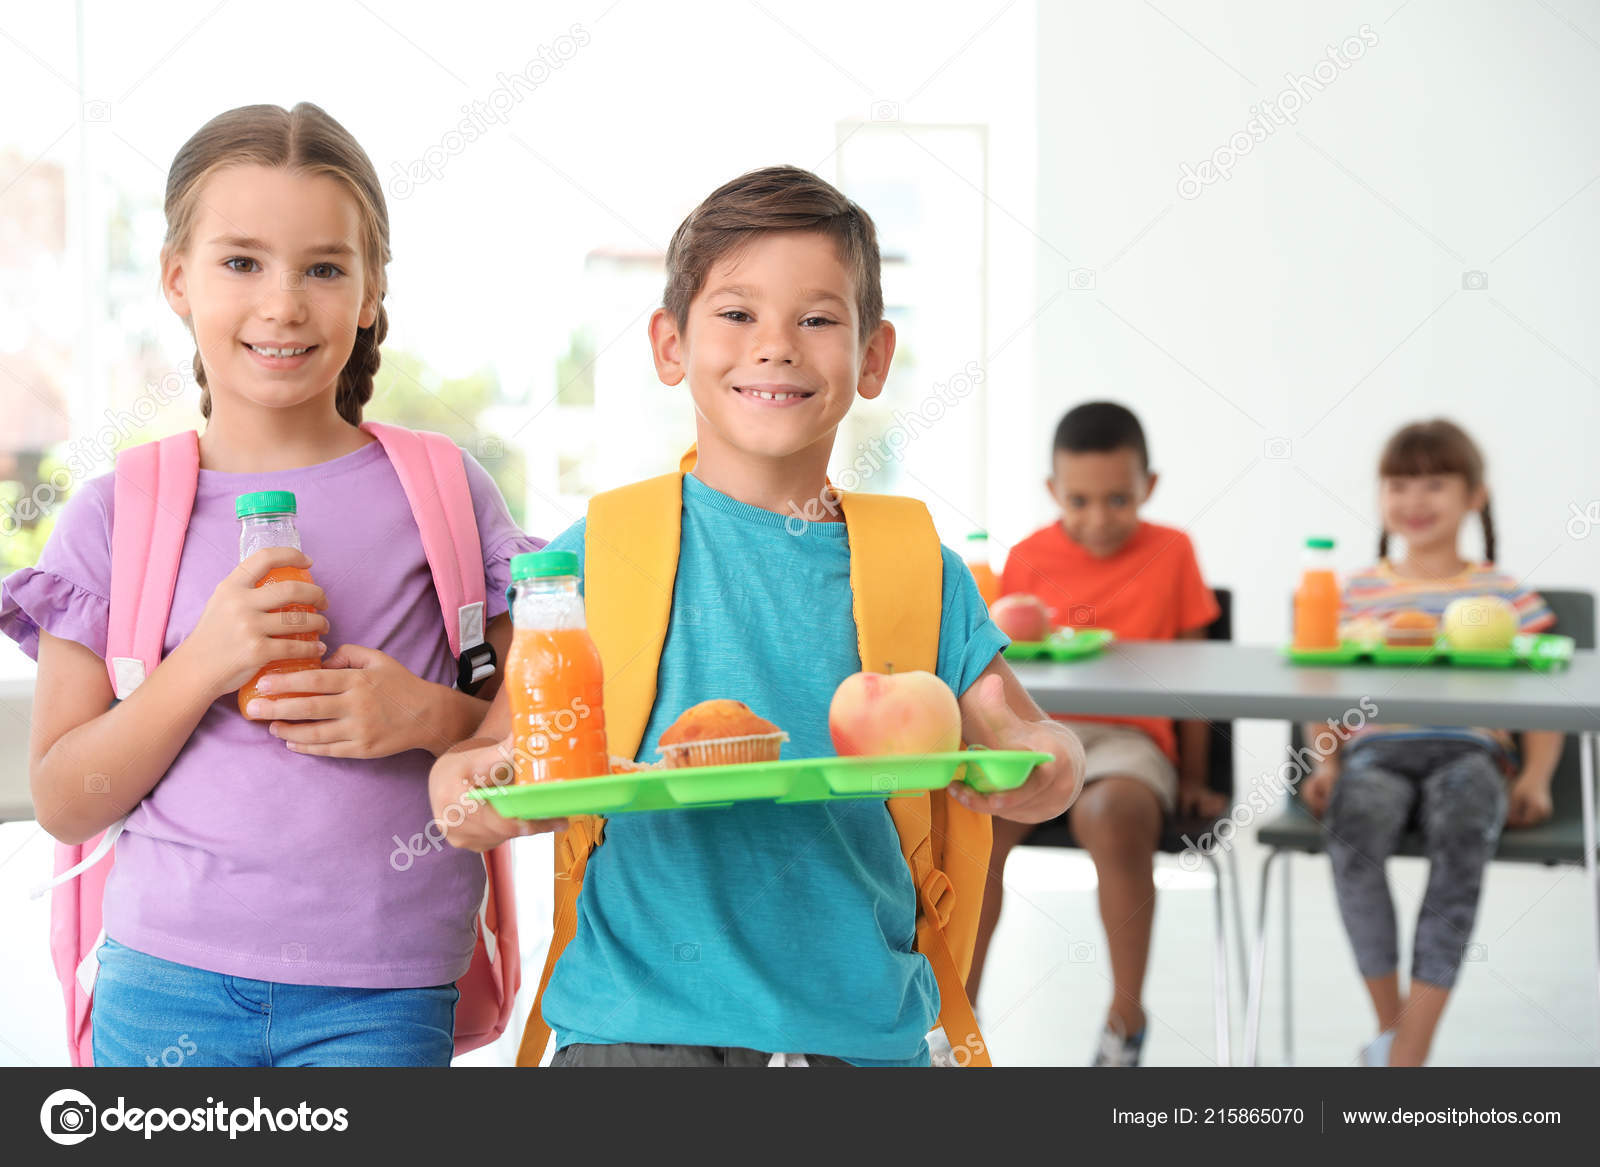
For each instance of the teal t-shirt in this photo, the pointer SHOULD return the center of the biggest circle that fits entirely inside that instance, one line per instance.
(775, 928)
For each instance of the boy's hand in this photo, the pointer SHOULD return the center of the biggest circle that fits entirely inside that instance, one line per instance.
(468, 822)
(1317, 790)
(1529, 804)
(363, 704)
(1200, 801)
(989, 720)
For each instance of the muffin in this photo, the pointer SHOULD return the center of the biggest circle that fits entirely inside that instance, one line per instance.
(720, 733)
(1411, 628)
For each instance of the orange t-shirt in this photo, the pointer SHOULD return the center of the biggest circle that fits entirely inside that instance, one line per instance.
(1151, 589)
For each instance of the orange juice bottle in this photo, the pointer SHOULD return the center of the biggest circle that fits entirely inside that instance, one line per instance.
(978, 563)
(553, 677)
(266, 519)
(1316, 600)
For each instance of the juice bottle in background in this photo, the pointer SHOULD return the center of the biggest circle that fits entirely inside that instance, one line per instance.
(982, 572)
(1316, 600)
(266, 519)
(553, 678)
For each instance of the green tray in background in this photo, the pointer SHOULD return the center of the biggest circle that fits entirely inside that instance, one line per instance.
(1540, 652)
(789, 780)
(1064, 644)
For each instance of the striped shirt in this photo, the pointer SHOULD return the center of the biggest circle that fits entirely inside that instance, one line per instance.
(1374, 594)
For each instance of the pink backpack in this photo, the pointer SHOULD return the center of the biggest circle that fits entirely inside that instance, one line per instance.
(155, 486)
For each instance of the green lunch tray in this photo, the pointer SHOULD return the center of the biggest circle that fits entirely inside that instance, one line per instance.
(790, 780)
(1542, 652)
(1063, 644)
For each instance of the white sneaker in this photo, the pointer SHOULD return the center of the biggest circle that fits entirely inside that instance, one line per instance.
(1376, 1051)
(1117, 1050)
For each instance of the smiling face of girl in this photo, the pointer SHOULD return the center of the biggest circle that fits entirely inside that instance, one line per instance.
(1427, 510)
(273, 284)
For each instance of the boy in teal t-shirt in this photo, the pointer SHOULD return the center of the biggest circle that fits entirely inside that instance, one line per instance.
(722, 937)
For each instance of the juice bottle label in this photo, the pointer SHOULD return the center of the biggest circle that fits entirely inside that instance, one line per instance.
(247, 691)
(556, 692)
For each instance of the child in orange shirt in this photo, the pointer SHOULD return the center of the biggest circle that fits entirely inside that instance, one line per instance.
(1101, 565)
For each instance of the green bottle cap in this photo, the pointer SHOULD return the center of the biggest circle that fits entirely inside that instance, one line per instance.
(543, 564)
(264, 502)
(1320, 543)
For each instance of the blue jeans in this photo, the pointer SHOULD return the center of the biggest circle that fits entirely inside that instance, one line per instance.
(154, 1012)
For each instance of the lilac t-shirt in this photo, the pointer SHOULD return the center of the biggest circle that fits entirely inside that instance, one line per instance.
(248, 859)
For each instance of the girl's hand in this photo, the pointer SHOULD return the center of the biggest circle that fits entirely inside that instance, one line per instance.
(1053, 785)
(468, 822)
(238, 633)
(1529, 804)
(1317, 790)
(362, 704)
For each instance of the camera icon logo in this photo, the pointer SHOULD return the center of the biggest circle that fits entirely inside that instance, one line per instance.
(1081, 615)
(886, 111)
(1080, 952)
(686, 953)
(1475, 952)
(1474, 281)
(97, 784)
(97, 111)
(68, 1117)
(1081, 279)
(1277, 449)
(490, 448)
(293, 281)
(1474, 614)
(293, 953)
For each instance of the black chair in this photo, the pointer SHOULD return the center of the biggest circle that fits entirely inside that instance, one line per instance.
(1194, 836)
(1558, 840)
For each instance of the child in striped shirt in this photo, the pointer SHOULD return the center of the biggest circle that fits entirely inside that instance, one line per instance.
(1452, 783)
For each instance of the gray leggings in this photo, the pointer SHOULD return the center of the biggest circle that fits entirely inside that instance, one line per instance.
(1458, 793)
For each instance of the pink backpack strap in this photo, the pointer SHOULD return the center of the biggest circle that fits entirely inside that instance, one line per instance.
(435, 481)
(434, 477)
(154, 497)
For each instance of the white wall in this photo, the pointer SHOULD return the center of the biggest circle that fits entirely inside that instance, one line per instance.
(1317, 295)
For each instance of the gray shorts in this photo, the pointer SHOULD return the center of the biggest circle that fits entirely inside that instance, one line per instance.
(630, 1053)
(1124, 751)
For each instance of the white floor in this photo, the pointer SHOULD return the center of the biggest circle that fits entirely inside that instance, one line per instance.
(1530, 1000)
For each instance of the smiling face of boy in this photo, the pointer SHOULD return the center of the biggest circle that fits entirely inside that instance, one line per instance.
(1100, 493)
(772, 349)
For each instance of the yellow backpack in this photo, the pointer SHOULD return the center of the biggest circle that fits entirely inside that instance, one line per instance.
(631, 559)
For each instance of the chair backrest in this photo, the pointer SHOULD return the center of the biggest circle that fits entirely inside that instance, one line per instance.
(1574, 611)
(1219, 773)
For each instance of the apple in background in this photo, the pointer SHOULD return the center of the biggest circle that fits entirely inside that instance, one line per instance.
(1022, 617)
(894, 713)
(1480, 624)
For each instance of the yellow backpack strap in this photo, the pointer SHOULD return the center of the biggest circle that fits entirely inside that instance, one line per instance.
(896, 574)
(630, 550)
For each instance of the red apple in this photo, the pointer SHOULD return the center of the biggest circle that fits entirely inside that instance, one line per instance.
(894, 713)
(1021, 617)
